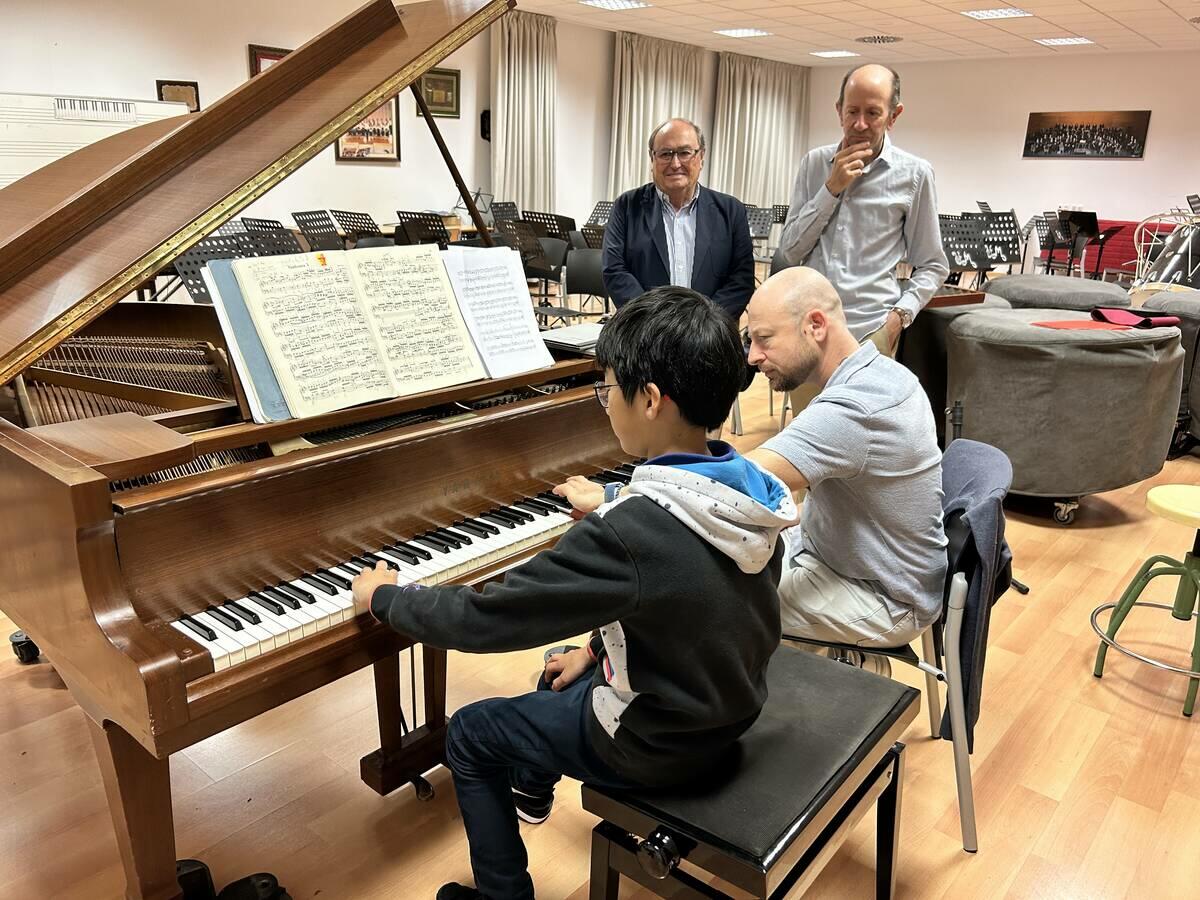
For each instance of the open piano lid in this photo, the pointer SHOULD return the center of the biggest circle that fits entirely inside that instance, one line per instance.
(84, 231)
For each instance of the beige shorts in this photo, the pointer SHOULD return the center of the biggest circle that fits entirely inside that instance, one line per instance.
(817, 603)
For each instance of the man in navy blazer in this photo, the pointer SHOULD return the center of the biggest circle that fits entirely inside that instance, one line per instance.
(673, 231)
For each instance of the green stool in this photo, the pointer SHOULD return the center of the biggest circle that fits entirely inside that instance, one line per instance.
(1177, 503)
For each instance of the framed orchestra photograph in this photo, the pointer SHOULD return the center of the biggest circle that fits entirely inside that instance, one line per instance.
(180, 92)
(1087, 135)
(375, 139)
(439, 87)
(262, 58)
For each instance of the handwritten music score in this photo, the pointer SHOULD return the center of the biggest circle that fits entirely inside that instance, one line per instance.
(411, 309)
(308, 315)
(494, 298)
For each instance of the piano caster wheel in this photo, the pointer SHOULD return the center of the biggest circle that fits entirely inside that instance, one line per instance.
(423, 788)
(658, 854)
(23, 647)
(262, 886)
(195, 880)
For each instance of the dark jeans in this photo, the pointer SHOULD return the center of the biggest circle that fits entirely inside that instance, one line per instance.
(529, 741)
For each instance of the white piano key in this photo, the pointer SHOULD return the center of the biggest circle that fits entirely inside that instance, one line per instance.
(219, 653)
(250, 648)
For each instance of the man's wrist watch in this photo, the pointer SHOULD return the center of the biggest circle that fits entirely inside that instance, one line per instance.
(906, 317)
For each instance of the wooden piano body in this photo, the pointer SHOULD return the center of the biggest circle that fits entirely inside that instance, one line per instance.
(138, 490)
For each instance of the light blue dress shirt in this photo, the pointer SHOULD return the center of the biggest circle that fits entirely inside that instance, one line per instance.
(886, 216)
(680, 226)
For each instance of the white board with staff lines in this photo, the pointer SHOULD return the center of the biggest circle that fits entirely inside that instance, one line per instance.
(37, 129)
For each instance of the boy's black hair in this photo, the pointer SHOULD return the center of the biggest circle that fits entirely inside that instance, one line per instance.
(682, 342)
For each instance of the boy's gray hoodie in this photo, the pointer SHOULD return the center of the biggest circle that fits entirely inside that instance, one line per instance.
(678, 575)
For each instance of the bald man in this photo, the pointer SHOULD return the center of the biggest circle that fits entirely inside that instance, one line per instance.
(862, 206)
(867, 563)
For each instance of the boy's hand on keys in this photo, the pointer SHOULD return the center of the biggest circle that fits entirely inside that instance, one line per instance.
(582, 494)
(564, 668)
(364, 585)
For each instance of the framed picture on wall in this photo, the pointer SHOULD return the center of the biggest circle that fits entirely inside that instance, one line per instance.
(375, 139)
(180, 92)
(1087, 135)
(439, 87)
(262, 58)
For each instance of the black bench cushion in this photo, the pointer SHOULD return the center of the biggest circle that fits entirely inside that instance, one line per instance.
(821, 719)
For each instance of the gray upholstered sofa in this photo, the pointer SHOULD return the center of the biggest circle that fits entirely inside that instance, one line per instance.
(1055, 292)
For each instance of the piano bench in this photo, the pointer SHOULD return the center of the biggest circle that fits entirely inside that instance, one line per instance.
(823, 751)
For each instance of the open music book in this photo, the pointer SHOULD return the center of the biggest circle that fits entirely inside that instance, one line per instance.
(315, 332)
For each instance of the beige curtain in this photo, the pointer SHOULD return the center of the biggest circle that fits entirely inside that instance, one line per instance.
(759, 128)
(653, 80)
(524, 67)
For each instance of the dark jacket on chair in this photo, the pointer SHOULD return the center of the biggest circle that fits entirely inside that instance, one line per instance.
(975, 479)
(636, 257)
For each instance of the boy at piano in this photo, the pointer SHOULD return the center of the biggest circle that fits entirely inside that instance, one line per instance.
(676, 573)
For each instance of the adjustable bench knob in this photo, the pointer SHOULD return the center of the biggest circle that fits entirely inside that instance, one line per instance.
(658, 854)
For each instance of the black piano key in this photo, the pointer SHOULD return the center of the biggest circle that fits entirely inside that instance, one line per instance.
(374, 560)
(248, 614)
(339, 580)
(299, 593)
(597, 479)
(316, 581)
(530, 507)
(280, 597)
(419, 552)
(505, 515)
(626, 468)
(540, 504)
(268, 604)
(230, 622)
(525, 517)
(411, 558)
(617, 476)
(199, 628)
(456, 540)
(353, 565)
(554, 500)
(433, 543)
(486, 527)
(499, 520)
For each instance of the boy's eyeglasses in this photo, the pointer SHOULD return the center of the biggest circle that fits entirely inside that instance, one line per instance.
(602, 390)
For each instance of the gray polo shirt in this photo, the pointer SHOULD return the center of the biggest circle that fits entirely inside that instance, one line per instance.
(867, 447)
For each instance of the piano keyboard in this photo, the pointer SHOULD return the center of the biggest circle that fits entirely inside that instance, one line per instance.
(237, 631)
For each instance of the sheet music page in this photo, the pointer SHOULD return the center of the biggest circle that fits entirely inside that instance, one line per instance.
(416, 321)
(313, 328)
(491, 289)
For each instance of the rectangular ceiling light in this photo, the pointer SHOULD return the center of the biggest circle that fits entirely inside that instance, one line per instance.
(832, 54)
(1061, 42)
(743, 32)
(615, 4)
(1007, 12)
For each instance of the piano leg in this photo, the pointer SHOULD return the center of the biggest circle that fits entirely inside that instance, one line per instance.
(138, 786)
(403, 758)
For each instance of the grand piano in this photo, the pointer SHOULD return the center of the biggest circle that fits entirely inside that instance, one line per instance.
(183, 568)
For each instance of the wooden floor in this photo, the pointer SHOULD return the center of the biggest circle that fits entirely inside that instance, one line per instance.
(1085, 788)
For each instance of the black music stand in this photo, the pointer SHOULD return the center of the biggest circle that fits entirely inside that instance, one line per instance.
(594, 236)
(1026, 230)
(319, 230)
(552, 225)
(1058, 238)
(269, 243)
(1081, 227)
(962, 241)
(421, 228)
(779, 213)
(355, 225)
(1099, 242)
(189, 263)
(233, 226)
(483, 203)
(505, 211)
(262, 224)
(601, 213)
(760, 219)
(1001, 237)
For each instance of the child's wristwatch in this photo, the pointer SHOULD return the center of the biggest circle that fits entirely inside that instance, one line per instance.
(612, 490)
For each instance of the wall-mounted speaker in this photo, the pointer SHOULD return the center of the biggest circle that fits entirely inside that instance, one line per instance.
(485, 124)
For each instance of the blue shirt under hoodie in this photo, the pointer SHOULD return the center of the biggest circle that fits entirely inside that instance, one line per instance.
(677, 576)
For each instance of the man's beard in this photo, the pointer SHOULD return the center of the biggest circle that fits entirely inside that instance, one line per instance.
(809, 359)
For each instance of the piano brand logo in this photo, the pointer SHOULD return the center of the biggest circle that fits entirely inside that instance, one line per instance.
(462, 486)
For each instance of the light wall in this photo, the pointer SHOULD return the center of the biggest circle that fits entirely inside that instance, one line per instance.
(968, 119)
(119, 49)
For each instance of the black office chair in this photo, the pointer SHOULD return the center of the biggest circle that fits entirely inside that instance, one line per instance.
(585, 276)
(373, 240)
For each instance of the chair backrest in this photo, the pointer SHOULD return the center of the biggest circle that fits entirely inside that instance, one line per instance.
(585, 273)
(373, 240)
(355, 224)
(577, 240)
(555, 250)
(976, 478)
